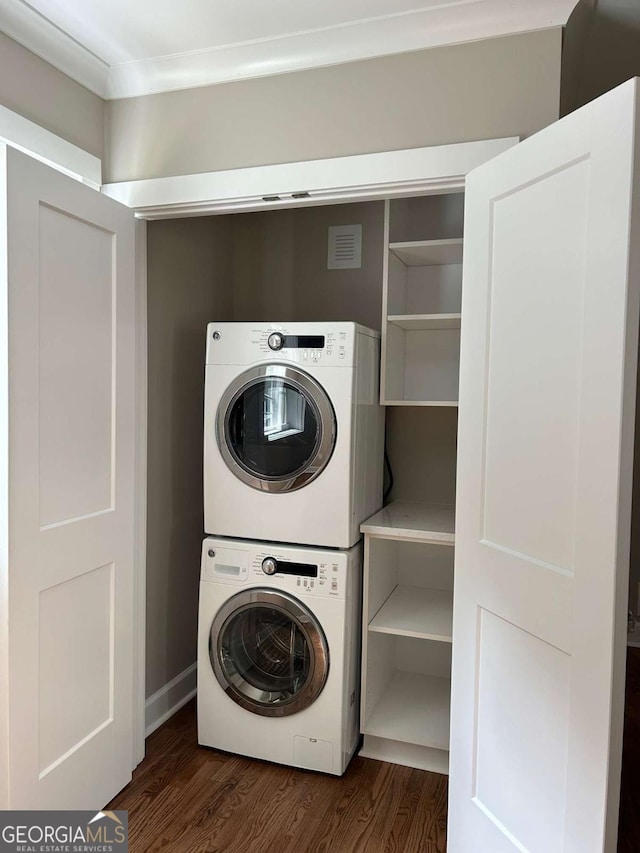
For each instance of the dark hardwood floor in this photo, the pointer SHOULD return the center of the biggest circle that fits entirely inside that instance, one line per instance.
(188, 799)
(629, 829)
(191, 800)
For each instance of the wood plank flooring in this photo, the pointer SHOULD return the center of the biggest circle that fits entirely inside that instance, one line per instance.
(629, 826)
(191, 800)
(188, 799)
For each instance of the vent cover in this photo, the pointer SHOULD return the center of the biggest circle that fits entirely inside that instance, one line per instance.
(345, 247)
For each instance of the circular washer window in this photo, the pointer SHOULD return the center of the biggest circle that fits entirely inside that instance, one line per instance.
(268, 653)
(276, 428)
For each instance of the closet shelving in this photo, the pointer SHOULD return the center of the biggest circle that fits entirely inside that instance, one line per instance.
(422, 289)
(423, 322)
(407, 634)
(427, 253)
(409, 548)
(411, 611)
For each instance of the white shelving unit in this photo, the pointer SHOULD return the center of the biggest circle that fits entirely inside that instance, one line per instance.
(411, 611)
(413, 521)
(422, 292)
(424, 322)
(408, 586)
(428, 253)
(407, 634)
(414, 710)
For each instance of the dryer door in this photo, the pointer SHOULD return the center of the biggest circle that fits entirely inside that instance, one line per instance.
(268, 652)
(276, 428)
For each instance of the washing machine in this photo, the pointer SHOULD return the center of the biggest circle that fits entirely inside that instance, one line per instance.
(293, 431)
(279, 652)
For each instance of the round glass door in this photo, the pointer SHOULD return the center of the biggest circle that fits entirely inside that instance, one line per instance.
(276, 428)
(268, 653)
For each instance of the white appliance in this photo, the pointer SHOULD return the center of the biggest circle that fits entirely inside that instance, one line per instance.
(293, 432)
(278, 652)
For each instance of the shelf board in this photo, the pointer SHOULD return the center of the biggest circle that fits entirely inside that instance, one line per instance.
(428, 253)
(413, 521)
(425, 322)
(411, 611)
(414, 709)
(451, 403)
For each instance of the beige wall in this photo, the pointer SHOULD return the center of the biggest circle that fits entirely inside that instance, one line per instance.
(189, 267)
(602, 50)
(491, 88)
(421, 443)
(280, 265)
(38, 91)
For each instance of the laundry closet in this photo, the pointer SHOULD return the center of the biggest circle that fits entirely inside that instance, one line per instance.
(266, 266)
(275, 266)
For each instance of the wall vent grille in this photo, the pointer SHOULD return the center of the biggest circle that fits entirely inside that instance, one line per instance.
(345, 247)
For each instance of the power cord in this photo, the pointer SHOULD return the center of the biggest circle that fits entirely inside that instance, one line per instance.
(387, 465)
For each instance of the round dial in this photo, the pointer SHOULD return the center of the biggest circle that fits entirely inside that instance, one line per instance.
(269, 566)
(275, 341)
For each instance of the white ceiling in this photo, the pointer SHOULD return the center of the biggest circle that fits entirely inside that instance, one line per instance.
(122, 48)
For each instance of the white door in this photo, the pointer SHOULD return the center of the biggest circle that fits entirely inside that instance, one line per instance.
(67, 326)
(547, 399)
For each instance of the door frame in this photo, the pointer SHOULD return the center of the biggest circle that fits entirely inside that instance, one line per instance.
(52, 150)
(359, 177)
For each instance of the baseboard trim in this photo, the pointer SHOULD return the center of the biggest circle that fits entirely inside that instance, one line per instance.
(164, 703)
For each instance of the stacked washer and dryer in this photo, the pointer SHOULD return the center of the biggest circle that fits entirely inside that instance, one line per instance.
(293, 463)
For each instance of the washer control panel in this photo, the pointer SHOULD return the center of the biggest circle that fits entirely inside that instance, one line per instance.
(312, 574)
(303, 573)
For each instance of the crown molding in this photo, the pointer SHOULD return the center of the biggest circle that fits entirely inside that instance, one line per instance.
(23, 24)
(447, 22)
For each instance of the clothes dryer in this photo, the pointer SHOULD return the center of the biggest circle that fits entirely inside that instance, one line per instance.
(293, 431)
(279, 651)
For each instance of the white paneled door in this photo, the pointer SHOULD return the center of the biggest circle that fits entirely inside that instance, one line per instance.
(547, 402)
(67, 404)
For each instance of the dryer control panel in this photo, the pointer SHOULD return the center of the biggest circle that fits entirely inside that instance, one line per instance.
(312, 344)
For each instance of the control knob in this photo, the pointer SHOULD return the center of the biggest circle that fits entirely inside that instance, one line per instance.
(269, 566)
(275, 341)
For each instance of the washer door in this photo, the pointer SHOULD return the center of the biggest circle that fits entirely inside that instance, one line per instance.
(268, 652)
(275, 428)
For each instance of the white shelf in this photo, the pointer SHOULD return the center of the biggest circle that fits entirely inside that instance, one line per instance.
(414, 709)
(428, 253)
(411, 611)
(413, 521)
(425, 322)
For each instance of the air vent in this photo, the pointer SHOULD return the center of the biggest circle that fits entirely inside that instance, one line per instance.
(345, 247)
